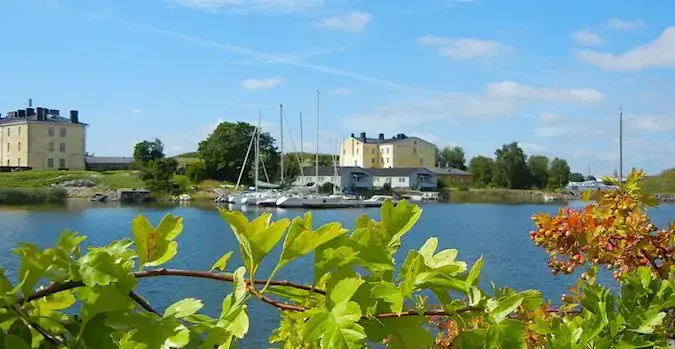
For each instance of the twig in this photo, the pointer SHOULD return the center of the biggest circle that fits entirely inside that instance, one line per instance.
(142, 302)
(47, 336)
(652, 262)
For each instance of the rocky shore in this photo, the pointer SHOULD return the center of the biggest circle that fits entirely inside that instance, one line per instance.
(666, 198)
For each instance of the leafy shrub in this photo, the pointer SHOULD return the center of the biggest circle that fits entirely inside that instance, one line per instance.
(196, 172)
(358, 295)
(23, 196)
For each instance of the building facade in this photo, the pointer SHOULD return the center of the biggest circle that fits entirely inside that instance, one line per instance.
(399, 151)
(41, 139)
(449, 176)
(350, 179)
(107, 163)
(404, 178)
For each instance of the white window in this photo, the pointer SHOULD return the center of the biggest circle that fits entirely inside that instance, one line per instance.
(372, 160)
(421, 161)
(344, 151)
(50, 163)
(372, 151)
(63, 132)
(62, 163)
(355, 163)
(51, 132)
(7, 131)
(18, 161)
(414, 150)
(19, 130)
(62, 147)
(51, 146)
(19, 148)
(401, 180)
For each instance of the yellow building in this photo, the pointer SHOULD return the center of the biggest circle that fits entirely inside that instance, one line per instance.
(40, 139)
(399, 151)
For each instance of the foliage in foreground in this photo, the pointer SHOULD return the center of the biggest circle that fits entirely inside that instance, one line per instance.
(359, 295)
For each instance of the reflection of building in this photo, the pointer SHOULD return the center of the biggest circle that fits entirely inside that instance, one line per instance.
(350, 179)
(106, 163)
(452, 176)
(39, 138)
(395, 152)
(404, 178)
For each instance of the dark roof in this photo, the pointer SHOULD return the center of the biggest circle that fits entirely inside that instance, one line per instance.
(449, 171)
(50, 118)
(396, 172)
(387, 140)
(108, 160)
(330, 170)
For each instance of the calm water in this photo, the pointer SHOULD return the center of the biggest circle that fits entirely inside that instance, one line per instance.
(498, 232)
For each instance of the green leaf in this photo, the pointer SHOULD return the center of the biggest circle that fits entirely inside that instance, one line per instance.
(96, 334)
(292, 294)
(183, 308)
(14, 342)
(301, 239)
(222, 262)
(57, 301)
(503, 307)
(256, 238)
(407, 333)
(344, 290)
(108, 265)
(391, 294)
(398, 220)
(156, 246)
(650, 319)
(474, 273)
(34, 263)
(337, 328)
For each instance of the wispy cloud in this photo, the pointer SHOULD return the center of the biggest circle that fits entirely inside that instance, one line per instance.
(352, 22)
(549, 117)
(654, 123)
(247, 6)
(462, 47)
(623, 25)
(261, 84)
(136, 112)
(299, 56)
(340, 91)
(586, 37)
(251, 53)
(659, 53)
(514, 90)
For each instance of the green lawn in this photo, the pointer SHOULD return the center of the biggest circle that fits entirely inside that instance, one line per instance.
(661, 184)
(37, 179)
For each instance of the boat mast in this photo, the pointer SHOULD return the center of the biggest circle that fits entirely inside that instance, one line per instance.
(248, 151)
(302, 154)
(257, 150)
(281, 121)
(620, 144)
(317, 141)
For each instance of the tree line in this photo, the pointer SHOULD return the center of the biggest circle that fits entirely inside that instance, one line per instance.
(511, 168)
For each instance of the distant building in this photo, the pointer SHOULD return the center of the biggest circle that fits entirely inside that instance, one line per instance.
(349, 179)
(452, 176)
(39, 138)
(107, 163)
(396, 152)
(404, 178)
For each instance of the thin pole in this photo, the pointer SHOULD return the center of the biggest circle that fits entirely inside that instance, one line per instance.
(317, 140)
(257, 150)
(620, 144)
(302, 154)
(281, 118)
(248, 151)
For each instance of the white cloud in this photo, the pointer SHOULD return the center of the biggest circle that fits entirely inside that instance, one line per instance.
(659, 53)
(585, 37)
(531, 148)
(550, 131)
(656, 123)
(246, 6)
(261, 84)
(299, 56)
(514, 90)
(623, 25)
(462, 47)
(352, 22)
(549, 117)
(340, 91)
(136, 112)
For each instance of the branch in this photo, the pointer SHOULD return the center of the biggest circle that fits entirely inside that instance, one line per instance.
(652, 262)
(142, 302)
(47, 336)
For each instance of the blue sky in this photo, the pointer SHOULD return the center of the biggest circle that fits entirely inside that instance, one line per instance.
(548, 74)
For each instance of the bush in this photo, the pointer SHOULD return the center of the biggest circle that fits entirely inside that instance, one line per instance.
(182, 184)
(196, 172)
(359, 295)
(24, 196)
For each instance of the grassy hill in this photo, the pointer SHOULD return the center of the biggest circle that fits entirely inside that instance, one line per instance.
(661, 184)
(37, 179)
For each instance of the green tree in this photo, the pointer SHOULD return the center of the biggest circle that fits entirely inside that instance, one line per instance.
(196, 172)
(538, 165)
(590, 178)
(158, 174)
(577, 177)
(293, 160)
(511, 167)
(224, 150)
(147, 151)
(453, 157)
(482, 167)
(559, 173)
